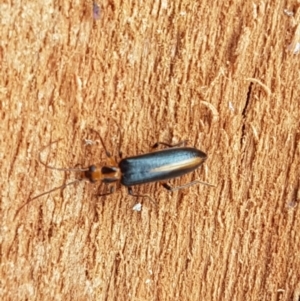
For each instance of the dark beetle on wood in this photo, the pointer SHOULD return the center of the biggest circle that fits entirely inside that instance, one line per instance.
(141, 169)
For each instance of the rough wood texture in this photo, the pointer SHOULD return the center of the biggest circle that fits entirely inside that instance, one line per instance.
(222, 75)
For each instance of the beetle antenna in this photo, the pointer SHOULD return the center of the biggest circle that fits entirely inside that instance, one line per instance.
(44, 193)
(57, 168)
(168, 187)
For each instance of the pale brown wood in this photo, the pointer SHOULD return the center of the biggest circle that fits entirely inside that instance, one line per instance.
(219, 74)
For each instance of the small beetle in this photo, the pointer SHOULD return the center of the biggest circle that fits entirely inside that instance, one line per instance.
(141, 169)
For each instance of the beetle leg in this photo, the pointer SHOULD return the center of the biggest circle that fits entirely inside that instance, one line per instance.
(181, 143)
(108, 154)
(120, 139)
(168, 187)
(111, 191)
(140, 195)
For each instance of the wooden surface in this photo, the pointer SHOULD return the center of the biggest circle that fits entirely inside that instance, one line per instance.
(222, 75)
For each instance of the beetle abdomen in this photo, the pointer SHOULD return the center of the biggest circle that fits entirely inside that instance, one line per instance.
(161, 165)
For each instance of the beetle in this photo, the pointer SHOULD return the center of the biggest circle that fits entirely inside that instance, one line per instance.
(161, 165)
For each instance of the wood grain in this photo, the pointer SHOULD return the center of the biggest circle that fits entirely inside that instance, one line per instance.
(222, 75)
